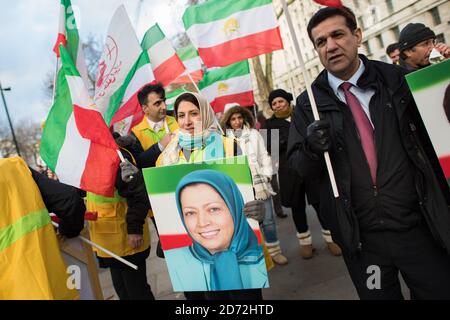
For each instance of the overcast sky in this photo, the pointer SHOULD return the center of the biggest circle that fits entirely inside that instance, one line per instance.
(28, 33)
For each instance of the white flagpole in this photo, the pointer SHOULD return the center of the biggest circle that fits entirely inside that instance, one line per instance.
(54, 80)
(103, 249)
(310, 93)
(192, 80)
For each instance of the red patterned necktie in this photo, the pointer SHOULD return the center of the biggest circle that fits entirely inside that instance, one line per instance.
(364, 128)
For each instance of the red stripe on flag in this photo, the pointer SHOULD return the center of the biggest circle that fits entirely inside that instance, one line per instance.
(61, 39)
(445, 164)
(99, 175)
(90, 125)
(242, 48)
(330, 3)
(169, 70)
(174, 241)
(244, 99)
(196, 76)
(131, 107)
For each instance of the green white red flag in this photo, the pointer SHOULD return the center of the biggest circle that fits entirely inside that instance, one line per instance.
(76, 143)
(227, 85)
(172, 96)
(165, 62)
(228, 31)
(69, 38)
(130, 113)
(191, 60)
(120, 53)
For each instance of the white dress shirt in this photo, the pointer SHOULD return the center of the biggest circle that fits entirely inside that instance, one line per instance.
(362, 95)
(156, 126)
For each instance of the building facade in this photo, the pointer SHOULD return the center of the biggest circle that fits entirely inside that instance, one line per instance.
(380, 20)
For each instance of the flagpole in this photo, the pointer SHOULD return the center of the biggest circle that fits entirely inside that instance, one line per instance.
(103, 249)
(54, 80)
(310, 93)
(192, 80)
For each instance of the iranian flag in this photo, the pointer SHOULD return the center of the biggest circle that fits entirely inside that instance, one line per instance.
(120, 53)
(165, 62)
(76, 143)
(68, 37)
(229, 84)
(172, 96)
(191, 60)
(227, 31)
(126, 111)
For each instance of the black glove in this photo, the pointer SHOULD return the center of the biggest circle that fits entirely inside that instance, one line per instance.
(255, 210)
(125, 141)
(128, 171)
(318, 136)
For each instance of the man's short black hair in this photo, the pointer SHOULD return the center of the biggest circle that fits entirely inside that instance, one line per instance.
(328, 12)
(391, 48)
(146, 90)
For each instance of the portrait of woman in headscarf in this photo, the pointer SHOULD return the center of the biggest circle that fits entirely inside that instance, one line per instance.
(225, 254)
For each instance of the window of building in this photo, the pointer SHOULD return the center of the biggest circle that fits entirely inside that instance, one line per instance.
(380, 41)
(435, 16)
(361, 22)
(396, 32)
(390, 6)
(367, 47)
(440, 38)
(356, 4)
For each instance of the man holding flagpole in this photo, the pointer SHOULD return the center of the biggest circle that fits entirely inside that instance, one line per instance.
(392, 215)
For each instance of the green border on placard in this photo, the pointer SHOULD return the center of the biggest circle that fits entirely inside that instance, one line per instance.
(429, 76)
(165, 179)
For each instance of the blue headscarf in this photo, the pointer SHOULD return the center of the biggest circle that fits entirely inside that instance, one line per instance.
(244, 248)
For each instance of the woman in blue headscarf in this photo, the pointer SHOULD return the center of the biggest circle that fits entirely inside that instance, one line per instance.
(225, 254)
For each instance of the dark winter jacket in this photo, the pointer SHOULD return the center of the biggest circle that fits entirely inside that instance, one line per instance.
(432, 190)
(64, 201)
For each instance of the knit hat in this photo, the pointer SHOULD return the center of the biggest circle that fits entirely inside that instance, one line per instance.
(414, 33)
(280, 93)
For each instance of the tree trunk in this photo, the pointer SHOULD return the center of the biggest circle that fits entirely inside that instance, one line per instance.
(269, 76)
(261, 80)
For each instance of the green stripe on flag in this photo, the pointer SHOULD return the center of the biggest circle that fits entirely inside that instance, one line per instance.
(151, 37)
(115, 101)
(54, 132)
(429, 76)
(237, 69)
(70, 26)
(165, 179)
(218, 9)
(187, 53)
(171, 97)
(31, 222)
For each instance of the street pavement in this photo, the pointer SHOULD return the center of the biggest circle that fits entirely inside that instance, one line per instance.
(324, 277)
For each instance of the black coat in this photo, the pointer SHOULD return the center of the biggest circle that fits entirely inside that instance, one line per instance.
(291, 188)
(64, 201)
(138, 205)
(432, 189)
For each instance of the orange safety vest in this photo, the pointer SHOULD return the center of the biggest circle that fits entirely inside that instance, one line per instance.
(110, 228)
(147, 137)
(31, 264)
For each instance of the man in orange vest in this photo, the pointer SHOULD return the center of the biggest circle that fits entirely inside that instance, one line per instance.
(149, 137)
